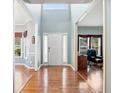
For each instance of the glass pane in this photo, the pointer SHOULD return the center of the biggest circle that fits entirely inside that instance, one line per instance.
(45, 48)
(55, 6)
(95, 43)
(17, 41)
(64, 48)
(83, 50)
(83, 41)
(18, 51)
(83, 45)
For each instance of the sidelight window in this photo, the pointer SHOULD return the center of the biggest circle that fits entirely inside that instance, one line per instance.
(18, 46)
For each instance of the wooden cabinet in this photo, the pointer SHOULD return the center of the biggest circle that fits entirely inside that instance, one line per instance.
(82, 62)
(82, 65)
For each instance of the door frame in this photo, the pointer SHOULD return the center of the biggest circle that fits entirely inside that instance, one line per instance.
(36, 48)
(46, 33)
(75, 56)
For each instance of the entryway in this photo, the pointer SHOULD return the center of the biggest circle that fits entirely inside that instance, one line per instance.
(55, 48)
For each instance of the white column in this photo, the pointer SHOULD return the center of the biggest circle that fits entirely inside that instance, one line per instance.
(36, 47)
(107, 44)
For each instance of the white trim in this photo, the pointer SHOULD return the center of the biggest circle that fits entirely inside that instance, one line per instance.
(36, 47)
(29, 67)
(104, 45)
(69, 66)
(19, 63)
(45, 65)
(40, 66)
(24, 65)
(58, 65)
(76, 52)
(22, 45)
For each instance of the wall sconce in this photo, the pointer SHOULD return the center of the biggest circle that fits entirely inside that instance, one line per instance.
(25, 34)
(33, 39)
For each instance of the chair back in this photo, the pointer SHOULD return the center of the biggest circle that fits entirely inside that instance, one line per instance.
(91, 54)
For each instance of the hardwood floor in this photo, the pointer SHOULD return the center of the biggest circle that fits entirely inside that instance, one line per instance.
(95, 78)
(22, 75)
(61, 79)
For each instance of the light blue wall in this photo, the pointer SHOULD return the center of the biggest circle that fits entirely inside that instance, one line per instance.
(61, 21)
(57, 21)
(94, 30)
(52, 21)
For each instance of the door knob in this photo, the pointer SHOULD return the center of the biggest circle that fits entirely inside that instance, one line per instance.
(48, 49)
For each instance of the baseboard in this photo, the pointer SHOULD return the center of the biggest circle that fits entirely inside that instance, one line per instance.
(19, 63)
(58, 65)
(28, 67)
(72, 67)
(40, 66)
(69, 66)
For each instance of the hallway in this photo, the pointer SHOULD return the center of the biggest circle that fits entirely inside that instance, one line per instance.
(56, 79)
(39, 43)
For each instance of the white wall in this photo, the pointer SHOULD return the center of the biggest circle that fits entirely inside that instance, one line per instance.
(31, 15)
(21, 14)
(76, 11)
(30, 48)
(24, 21)
(94, 17)
(36, 11)
(20, 28)
(27, 42)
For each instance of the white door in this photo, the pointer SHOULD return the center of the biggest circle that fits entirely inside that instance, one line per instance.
(55, 48)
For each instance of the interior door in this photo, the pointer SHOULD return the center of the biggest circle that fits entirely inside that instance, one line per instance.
(54, 49)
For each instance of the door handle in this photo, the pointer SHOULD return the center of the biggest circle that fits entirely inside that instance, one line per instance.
(48, 49)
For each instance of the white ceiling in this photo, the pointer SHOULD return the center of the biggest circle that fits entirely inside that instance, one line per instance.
(20, 14)
(57, 1)
(94, 17)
